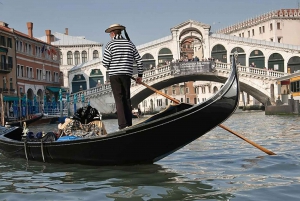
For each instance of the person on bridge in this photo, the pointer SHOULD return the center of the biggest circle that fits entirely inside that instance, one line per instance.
(118, 58)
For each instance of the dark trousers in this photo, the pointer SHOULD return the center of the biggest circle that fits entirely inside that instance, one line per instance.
(120, 85)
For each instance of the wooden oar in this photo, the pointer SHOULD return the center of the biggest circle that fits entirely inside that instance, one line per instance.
(222, 126)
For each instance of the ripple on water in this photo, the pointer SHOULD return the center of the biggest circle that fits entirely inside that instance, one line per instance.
(217, 166)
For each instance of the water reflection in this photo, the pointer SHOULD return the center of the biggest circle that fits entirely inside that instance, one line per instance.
(113, 182)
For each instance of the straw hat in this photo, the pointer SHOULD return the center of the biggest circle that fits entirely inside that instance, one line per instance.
(114, 27)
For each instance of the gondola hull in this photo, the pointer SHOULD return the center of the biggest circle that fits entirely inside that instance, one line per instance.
(144, 143)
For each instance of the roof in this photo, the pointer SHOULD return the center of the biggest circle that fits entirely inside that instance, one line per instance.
(90, 62)
(16, 32)
(61, 39)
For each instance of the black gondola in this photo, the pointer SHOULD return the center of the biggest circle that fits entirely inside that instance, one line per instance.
(28, 121)
(143, 143)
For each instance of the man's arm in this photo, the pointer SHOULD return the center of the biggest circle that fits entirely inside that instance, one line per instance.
(139, 64)
(106, 58)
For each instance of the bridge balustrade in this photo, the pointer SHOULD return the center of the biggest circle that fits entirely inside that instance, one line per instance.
(153, 73)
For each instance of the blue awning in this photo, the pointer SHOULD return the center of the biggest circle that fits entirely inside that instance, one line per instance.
(10, 98)
(56, 89)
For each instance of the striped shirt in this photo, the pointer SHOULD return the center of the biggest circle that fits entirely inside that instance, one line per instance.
(119, 55)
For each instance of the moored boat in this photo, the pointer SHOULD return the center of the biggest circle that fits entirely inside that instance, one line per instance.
(143, 143)
(31, 119)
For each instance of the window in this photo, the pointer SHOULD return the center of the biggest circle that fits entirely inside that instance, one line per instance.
(186, 90)
(29, 49)
(260, 30)
(21, 46)
(61, 58)
(248, 33)
(18, 70)
(279, 39)
(181, 89)
(26, 47)
(21, 89)
(11, 83)
(9, 42)
(77, 57)
(263, 29)
(243, 34)
(10, 62)
(37, 74)
(166, 91)
(187, 100)
(271, 27)
(27, 71)
(195, 100)
(181, 100)
(2, 41)
(252, 32)
(166, 102)
(4, 83)
(278, 25)
(174, 91)
(70, 58)
(84, 56)
(22, 71)
(159, 102)
(240, 35)
(95, 54)
(271, 39)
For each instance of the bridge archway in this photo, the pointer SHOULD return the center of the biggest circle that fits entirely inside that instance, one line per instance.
(276, 62)
(30, 94)
(293, 64)
(148, 61)
(219, 52)
(96, 77)
(78, 83)
(215, 89)
(165, 54)
(241, 55)
(142, 93)
(258, 58)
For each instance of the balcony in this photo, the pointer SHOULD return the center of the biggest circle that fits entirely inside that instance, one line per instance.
(5, 68)
(5, 90)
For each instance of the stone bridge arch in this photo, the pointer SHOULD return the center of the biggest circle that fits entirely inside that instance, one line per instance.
(139, 92)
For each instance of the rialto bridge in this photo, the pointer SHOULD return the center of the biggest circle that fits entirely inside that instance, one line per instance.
(259, 83)
(190, 39)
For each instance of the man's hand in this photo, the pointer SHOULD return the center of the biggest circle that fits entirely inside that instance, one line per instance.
(138, 80)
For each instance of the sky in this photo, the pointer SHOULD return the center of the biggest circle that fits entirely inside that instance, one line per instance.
(145, 20)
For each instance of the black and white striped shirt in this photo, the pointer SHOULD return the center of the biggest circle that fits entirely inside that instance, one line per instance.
(119, 55)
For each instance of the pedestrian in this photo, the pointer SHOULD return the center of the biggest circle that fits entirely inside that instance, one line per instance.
(11, 111)
(118, 58)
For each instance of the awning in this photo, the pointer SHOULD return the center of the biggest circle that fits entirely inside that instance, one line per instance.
(3, 49)
(10, 98)
(56, 89)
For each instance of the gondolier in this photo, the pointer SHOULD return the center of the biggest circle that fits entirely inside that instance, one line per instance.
(118, 58)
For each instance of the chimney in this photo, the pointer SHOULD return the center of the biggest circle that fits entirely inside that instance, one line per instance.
(3, 24)
(66, 31)
(48, 34)
(30, 27)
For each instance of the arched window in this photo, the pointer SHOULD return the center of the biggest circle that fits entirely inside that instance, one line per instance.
(77, 57)
(70, 58)
(95, 54)
(61, 58)
(84, 56)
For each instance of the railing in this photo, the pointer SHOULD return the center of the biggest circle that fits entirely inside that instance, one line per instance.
(257, 42)
(5, 66)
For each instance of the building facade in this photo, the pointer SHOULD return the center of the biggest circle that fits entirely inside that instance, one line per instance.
(8, 79)
(74, 50)
(37, 66)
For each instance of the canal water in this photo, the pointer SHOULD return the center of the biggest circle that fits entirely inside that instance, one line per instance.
(217, 166)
